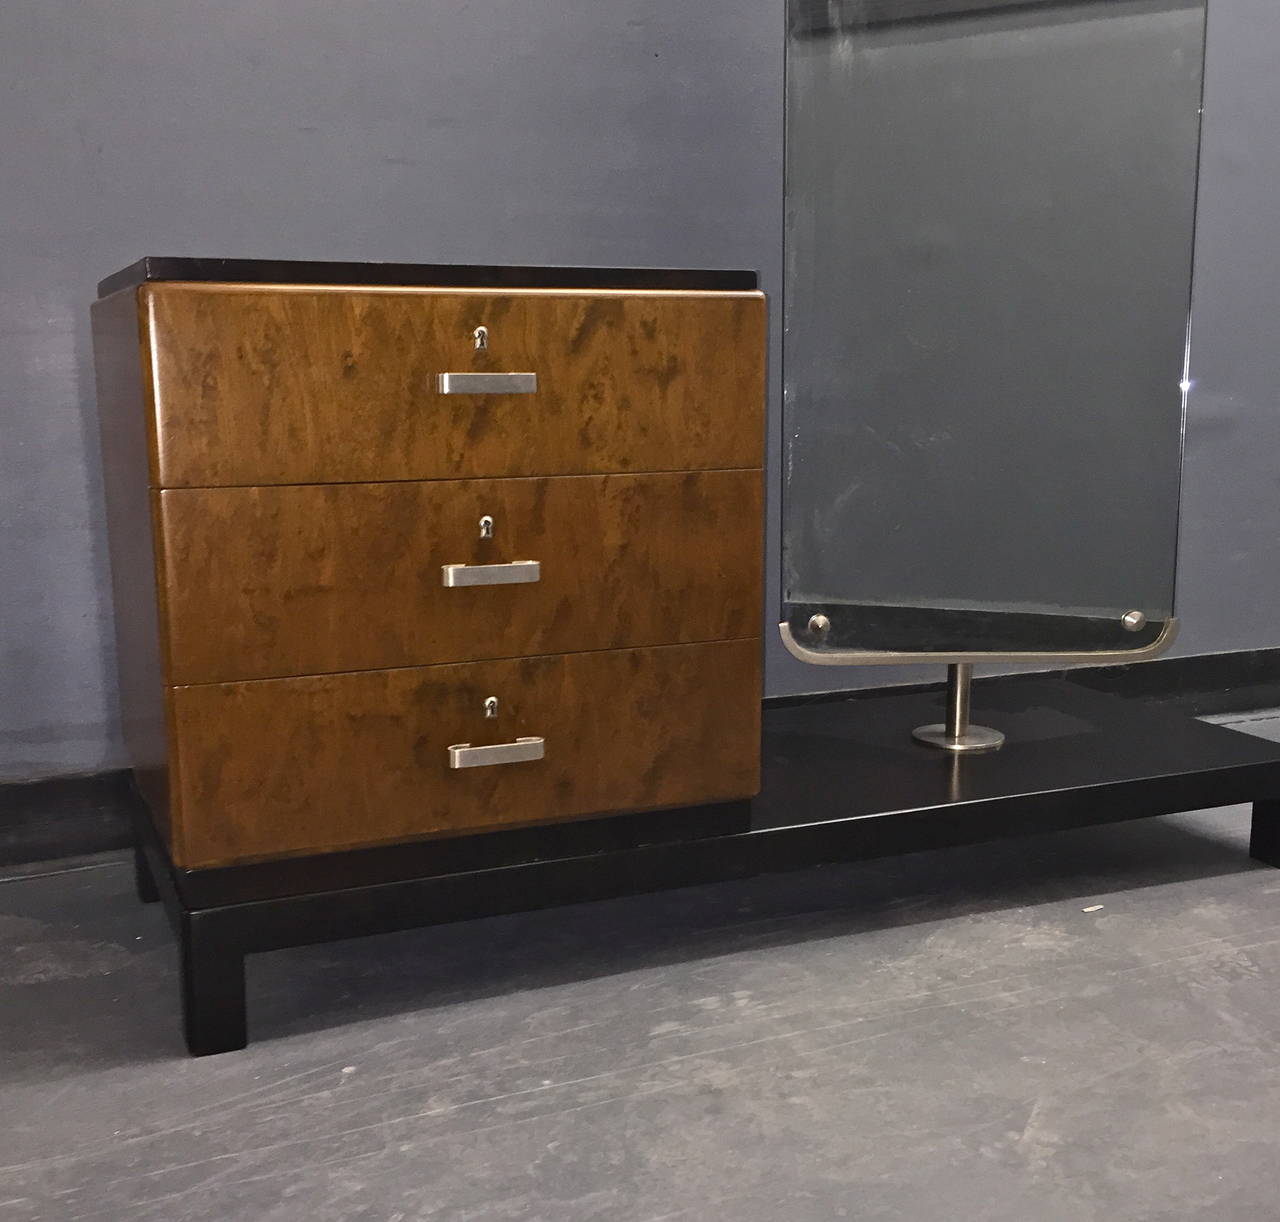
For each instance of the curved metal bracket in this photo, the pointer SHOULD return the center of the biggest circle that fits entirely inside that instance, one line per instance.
(889, 657)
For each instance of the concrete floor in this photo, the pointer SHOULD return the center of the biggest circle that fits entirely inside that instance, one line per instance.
(948, 1036)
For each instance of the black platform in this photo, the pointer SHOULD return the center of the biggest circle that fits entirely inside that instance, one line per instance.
(842, 781)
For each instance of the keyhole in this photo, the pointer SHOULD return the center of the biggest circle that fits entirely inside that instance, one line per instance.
(481, 336)
(486, 527)
(491, 706)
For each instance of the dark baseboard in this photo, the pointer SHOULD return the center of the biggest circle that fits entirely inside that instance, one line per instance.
(75, 816)
(1201, 684)
(65, 817)
(1207, 683)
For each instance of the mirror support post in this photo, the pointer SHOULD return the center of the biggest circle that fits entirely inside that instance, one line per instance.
(959, 689)
(957, 733)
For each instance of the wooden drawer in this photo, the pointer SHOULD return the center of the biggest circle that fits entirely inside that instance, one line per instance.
(277, 581)
(293, 384)
(287, 766)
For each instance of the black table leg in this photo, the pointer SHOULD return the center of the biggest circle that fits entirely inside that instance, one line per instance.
(143, 879)
(213, 1012)
(1264, 840)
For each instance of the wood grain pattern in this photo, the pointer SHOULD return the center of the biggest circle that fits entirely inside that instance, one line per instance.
(123, 412)
(310, 579)
(307, 482)
(272, 385)
(286, 766)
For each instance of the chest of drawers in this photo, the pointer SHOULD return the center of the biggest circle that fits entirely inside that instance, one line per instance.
(415, 553)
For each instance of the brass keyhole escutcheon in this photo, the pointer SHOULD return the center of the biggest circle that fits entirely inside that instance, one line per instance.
(486, 527)
(491, 707)
(481, 337)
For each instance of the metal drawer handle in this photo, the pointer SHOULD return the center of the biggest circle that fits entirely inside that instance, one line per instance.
(464, 755)
(517, 573)
(487, 383)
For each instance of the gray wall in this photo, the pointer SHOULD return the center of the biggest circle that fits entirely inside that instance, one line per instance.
(530, 131)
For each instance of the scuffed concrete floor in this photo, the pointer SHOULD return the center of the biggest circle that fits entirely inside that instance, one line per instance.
(945, 1036)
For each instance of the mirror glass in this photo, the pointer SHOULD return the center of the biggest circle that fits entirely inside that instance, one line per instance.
(990, 215)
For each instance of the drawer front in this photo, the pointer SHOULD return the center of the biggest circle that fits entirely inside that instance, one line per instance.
(278, 581)
(272, 385)
(288, 766)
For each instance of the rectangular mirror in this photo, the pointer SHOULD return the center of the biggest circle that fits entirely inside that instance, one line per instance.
(989, 226)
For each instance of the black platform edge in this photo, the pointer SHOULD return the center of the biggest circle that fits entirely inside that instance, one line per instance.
(70, 816)
(283, 877)
(621, 836)
(840, 784)
(73, 816)
(1239, 681)
(418, 275)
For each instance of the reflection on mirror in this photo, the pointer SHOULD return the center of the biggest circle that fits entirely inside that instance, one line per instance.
(990, 214)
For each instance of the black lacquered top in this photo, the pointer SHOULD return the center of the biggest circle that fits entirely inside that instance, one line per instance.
(415, 275)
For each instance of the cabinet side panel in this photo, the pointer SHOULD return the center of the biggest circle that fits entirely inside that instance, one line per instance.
(120, 364)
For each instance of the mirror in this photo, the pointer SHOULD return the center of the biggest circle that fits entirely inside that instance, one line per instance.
(989, 224)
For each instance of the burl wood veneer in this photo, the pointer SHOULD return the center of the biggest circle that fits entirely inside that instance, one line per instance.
(309, 579)
(285, 482)
(279, 385)
(338, 761)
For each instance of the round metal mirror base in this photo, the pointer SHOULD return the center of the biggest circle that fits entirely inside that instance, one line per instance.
(974, 739)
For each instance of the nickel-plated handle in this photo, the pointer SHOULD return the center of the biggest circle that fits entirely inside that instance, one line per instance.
(517, 573)
(464, 755)
(487, 383)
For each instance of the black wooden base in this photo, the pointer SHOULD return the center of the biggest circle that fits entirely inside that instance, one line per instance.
(1264, 836)
(842, 781)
